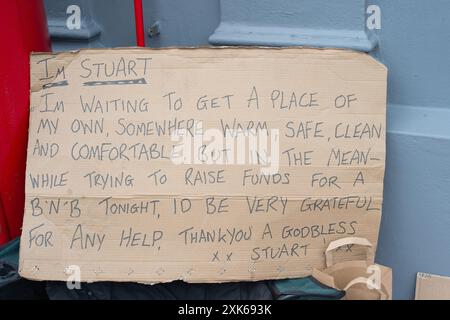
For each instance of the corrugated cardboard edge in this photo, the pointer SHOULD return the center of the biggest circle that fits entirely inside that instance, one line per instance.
(348, 51)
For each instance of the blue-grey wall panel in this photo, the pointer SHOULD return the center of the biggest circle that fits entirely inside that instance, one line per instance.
(415, 45)
(318, 23)
(415, 226)
(182, 23)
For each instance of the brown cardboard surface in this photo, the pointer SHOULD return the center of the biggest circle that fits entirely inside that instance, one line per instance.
(432, 287)
(107, 192)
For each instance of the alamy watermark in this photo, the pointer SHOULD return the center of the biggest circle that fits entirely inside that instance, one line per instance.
(259, 146)
(73, 21)
(373, 21)
(74, 277)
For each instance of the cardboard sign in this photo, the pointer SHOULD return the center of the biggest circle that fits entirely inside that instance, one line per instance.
(206, 165)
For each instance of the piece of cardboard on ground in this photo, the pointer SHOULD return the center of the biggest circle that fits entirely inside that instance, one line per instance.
(360, 279)
(432, 287)
(96, 118)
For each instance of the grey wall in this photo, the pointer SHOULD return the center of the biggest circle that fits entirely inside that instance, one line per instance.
(414, 43)
(288, 22)
(110, 23)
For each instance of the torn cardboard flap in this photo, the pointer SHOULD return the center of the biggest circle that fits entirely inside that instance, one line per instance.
(206, 165)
